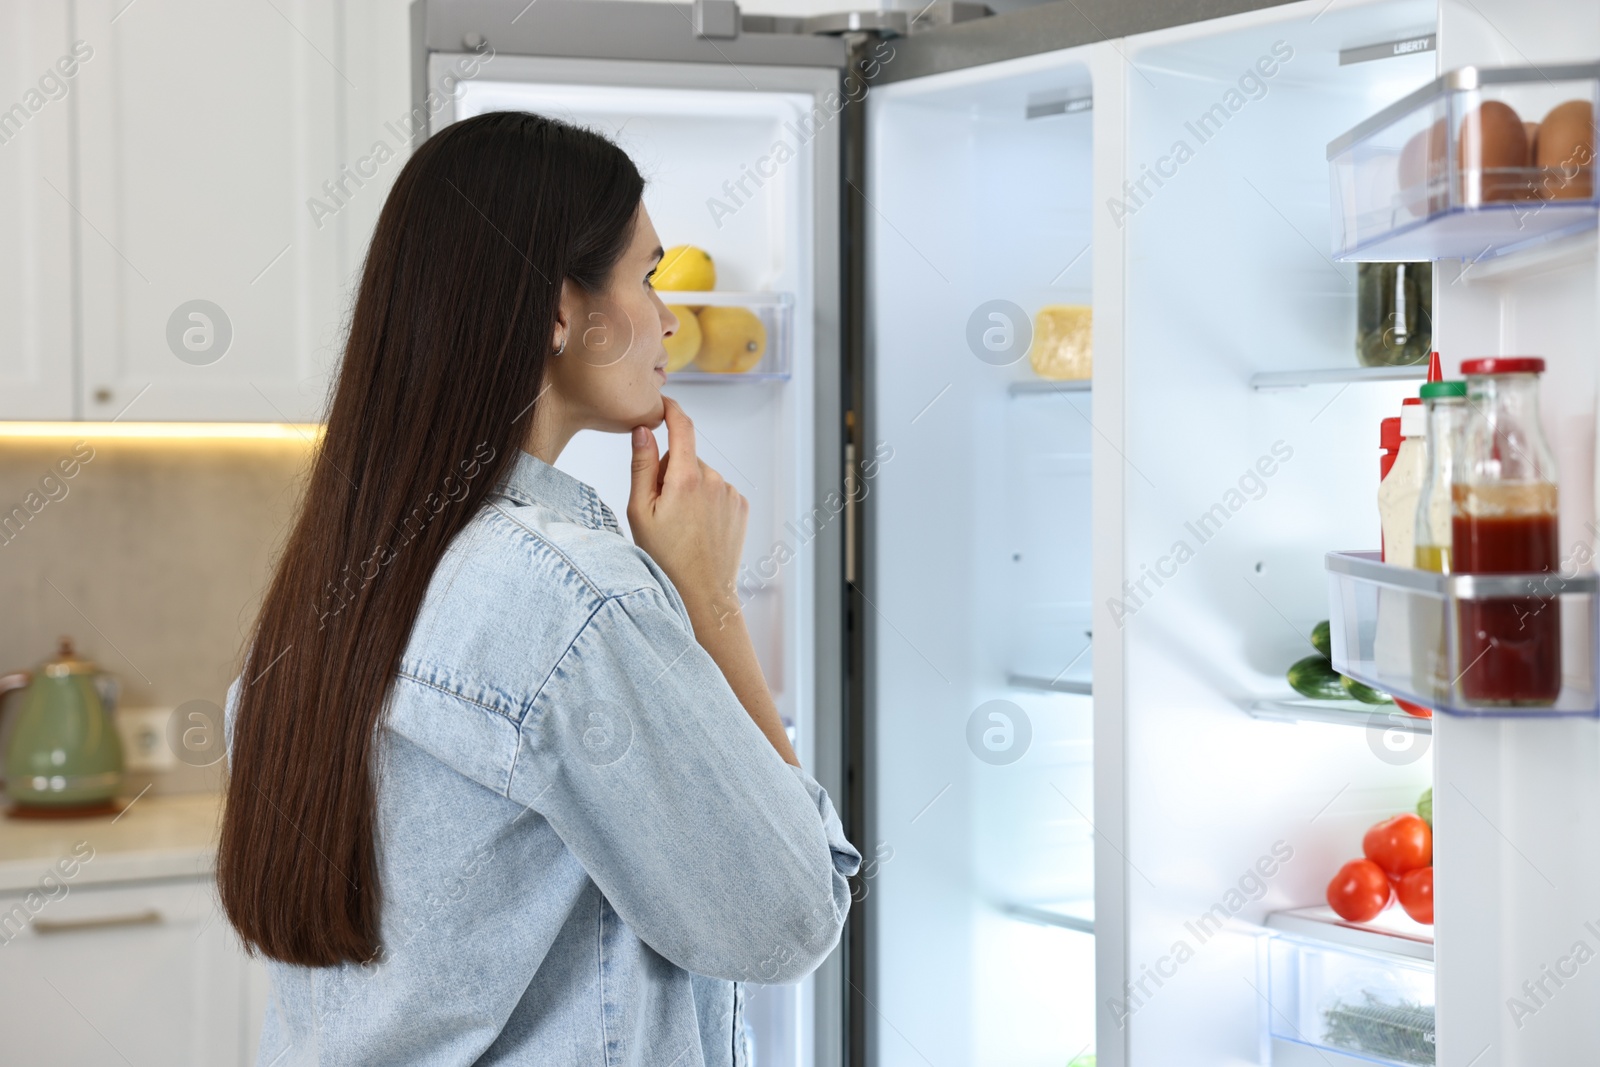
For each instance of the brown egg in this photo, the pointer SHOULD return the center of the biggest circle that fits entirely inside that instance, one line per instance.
(1565, 152)
(1493, 155)
(1421, 166)
(1532, 130)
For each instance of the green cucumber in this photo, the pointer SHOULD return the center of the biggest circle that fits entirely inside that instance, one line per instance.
(1364, 693)
(1315, 677)
(1425, 806)
(1322, 638)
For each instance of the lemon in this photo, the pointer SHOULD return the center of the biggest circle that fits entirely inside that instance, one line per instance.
(685, 268)
(1061, 342)
(732, 340)
(683, 345)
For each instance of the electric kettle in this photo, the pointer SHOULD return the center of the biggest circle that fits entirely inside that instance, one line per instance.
(65, 757)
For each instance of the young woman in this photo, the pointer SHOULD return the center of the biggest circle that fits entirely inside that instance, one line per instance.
(506, 788)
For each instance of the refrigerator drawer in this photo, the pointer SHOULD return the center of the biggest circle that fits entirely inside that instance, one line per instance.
(1365, 992)
(1478, 163)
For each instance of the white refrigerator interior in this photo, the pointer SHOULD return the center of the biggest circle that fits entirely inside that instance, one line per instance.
(978, 573)
(1233, 496)
(757, 433)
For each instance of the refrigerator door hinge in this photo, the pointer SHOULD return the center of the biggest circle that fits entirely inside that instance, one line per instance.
(716, 19)
(884, 21)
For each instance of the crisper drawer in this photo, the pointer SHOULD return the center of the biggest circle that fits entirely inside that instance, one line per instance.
(1466, 644)
(132, 973)
(1359, 991)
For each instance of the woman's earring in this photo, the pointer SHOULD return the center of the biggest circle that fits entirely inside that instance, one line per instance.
(562, 347)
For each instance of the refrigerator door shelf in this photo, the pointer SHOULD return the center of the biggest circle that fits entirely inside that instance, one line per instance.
(1410, 633)
(772, 327)
(1477, 164)
(1363, 990)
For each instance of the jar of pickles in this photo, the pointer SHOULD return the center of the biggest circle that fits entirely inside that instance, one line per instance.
(1394, 313)
(1503, 521)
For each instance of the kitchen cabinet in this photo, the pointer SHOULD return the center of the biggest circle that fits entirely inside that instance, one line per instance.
(183, 220)
(113, 949)
(36, 223)
(146, 972)
(210, 289)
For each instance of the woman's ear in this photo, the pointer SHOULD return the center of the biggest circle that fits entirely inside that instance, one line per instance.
(566, 315)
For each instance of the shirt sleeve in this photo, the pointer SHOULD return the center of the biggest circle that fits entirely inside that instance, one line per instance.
(719, 855)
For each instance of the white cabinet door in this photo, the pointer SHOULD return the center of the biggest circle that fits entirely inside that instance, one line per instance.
(140, 973)
(211, 289)
(36, 104)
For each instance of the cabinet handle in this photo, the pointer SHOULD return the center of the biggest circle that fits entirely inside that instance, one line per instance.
(148, 917)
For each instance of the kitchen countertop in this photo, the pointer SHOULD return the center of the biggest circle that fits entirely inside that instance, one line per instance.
(155, 837)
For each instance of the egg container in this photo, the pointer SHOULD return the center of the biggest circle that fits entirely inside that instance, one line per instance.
(776, 312)
(1476, 164)
(1402, 631)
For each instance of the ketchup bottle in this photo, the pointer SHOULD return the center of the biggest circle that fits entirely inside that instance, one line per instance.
(1503, 521)
(1389, 442)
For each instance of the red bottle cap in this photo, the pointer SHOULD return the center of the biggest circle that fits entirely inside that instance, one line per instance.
(1435, 371)
(1411, 400)
(1503, 365)
(1389, 434)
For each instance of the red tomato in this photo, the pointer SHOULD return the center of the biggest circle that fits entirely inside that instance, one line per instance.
(1413, 709)
(1416, 894)
(1359, 891)
(1400, 844)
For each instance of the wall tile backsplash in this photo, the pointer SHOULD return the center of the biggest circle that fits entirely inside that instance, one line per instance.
(151, 554)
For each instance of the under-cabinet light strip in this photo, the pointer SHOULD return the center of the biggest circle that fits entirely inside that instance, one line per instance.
(244, 431)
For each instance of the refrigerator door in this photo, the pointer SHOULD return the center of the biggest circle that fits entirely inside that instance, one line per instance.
(738, 141)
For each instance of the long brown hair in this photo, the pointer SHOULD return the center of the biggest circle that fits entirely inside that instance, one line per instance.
(452, 325)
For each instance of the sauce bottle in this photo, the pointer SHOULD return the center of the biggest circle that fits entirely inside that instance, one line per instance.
(1503, 521)
(1445, 404)
(1397, 495)
(1397, 511)
(1389, 444)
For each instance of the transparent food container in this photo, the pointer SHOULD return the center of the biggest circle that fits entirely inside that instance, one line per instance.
(1473, 165)
(744, 336)
(1354, 989)
(1424, 629)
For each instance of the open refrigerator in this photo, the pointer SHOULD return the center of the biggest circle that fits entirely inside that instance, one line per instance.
(1064, 743)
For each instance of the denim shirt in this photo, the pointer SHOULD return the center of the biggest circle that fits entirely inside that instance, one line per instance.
(585, 843)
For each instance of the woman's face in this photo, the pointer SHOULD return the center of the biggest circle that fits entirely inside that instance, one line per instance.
(610, 375)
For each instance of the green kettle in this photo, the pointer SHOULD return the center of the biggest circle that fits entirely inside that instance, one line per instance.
(65, 754)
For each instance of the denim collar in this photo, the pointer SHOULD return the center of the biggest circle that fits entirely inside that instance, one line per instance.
(533, 481)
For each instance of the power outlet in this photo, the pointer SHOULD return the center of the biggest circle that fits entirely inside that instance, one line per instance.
(144, 739)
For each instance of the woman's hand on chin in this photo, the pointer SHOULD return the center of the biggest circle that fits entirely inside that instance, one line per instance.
(686, 515)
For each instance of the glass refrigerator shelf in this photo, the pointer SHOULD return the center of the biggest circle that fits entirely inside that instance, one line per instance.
(1338, 712)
